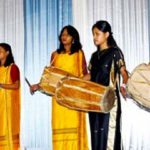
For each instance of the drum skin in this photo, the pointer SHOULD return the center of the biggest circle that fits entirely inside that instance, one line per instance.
(138, 85)
(79, 94)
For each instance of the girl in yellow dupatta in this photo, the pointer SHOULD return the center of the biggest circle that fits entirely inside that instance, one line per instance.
(69, 126)
(9, 100)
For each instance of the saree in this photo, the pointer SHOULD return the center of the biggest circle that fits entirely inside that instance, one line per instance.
(69, 126)
(9, 113)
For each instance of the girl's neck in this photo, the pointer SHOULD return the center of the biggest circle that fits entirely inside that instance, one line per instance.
(67, 48)
(104, 46)
(2, 62)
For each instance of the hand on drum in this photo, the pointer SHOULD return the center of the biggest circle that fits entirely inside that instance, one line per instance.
(124, 75)
(34, 88)
(87, 77)
(123, 91)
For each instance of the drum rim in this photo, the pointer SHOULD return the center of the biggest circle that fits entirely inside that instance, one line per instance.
(108, 88)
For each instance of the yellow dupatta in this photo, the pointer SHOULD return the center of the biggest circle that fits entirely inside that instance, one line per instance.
(9, 113)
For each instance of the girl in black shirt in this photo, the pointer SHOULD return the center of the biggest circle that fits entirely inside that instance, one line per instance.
(107, 55)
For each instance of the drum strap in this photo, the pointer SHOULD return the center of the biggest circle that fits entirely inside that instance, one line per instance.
(52, 61)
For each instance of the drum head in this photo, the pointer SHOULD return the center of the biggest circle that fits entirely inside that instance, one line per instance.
(138, 85)
(109, 99)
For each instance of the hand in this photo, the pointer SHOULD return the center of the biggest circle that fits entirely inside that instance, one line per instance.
(87, 77)
(34, 88)
(1, 85)
(123, 92)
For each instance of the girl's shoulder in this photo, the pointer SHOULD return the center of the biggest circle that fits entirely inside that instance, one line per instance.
(118, 52)
(81, 51)
(54, 52)
(14, 73)
(94, 54)
(14, 67)
(116, 49)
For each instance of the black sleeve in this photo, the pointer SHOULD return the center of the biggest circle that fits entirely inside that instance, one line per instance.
(119, 59)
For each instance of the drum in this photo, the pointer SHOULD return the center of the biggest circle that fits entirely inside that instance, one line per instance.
(50, 77)
(138, 85)
(79, 94)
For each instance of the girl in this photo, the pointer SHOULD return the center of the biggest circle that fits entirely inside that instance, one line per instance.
(9, 100)
(107, 61)
(69, 126)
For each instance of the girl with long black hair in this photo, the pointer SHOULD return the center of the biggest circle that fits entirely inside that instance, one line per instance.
(68, 126)
(107, 60)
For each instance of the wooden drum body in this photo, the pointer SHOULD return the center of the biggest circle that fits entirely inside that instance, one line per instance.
(84, 95)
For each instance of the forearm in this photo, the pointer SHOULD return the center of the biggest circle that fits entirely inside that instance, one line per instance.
(14, 86)
(124, 75)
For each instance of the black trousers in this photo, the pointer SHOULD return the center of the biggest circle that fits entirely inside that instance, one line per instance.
(99, 130)
(99, 124)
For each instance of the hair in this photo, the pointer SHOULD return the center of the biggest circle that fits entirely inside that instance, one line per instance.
(76, 45)
(10, 58)
(104, 26)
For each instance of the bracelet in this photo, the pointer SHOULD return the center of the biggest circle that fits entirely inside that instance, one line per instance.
(124, 85)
